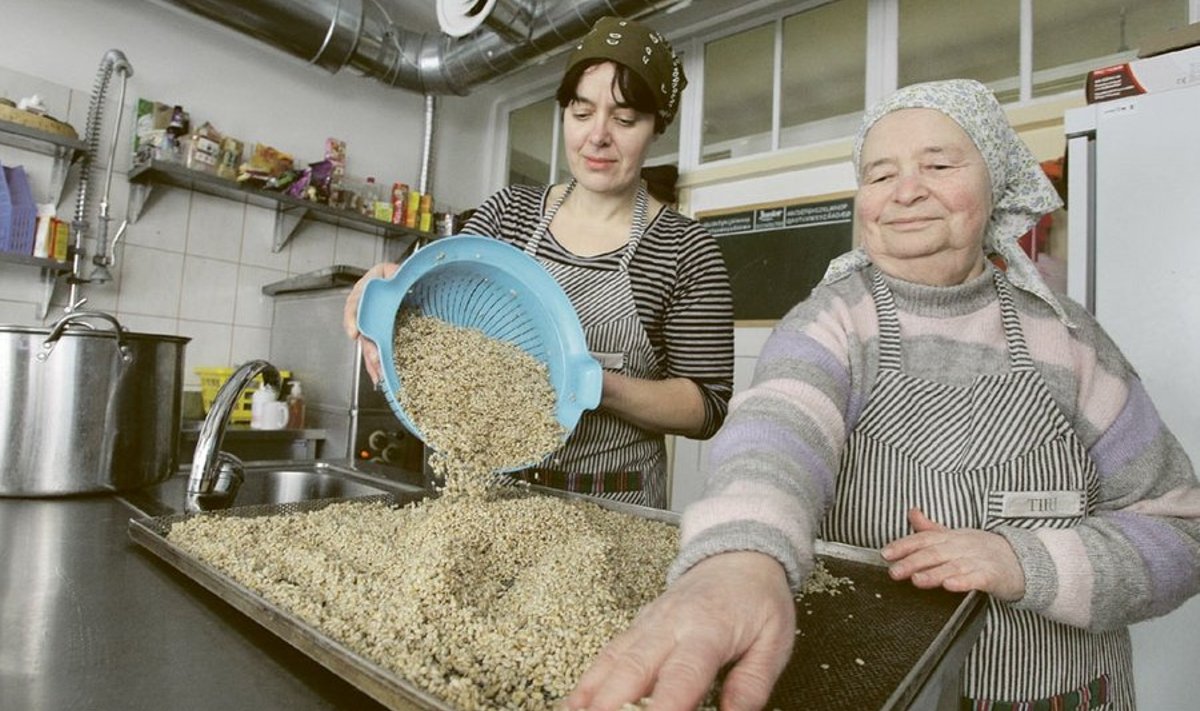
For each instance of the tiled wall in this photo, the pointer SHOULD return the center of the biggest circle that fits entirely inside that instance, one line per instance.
(192, 265)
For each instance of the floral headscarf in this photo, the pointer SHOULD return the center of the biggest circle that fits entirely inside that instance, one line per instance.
(1021, 192)
(644, 52)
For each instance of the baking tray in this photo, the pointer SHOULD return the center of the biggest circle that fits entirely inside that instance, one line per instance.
(879, 644)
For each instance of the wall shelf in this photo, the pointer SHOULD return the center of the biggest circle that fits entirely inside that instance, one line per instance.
(51, 265)
(290, 212)
(64, 149)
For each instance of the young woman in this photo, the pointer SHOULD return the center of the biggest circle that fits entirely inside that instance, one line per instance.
(649, 285)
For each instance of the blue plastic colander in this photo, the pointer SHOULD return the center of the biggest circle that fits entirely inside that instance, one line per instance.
(483, 283)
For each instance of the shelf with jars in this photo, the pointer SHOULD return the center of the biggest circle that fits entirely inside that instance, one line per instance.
(65, 151)
(290, 211)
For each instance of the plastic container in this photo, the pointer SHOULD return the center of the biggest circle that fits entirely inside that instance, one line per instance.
(261, 415)
(211, 380)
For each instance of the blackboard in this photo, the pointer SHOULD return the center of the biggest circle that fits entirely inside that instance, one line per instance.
(776, 253)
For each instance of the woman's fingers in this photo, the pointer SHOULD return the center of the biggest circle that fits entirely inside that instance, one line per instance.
(382, 270)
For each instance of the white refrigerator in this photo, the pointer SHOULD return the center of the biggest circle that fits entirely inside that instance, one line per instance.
(1134, 260)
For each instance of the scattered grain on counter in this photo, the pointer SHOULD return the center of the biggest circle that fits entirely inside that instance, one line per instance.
(821, 581)
(482, 404)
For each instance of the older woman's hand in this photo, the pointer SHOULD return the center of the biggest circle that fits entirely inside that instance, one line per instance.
(350, 316)
(957, 560)
(733, 607)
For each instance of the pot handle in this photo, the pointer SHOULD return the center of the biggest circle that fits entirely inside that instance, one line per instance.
(61, 325)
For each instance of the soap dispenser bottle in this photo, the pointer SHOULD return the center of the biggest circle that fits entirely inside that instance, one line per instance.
(295, 403)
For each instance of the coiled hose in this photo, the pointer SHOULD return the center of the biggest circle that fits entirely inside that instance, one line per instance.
(114, 59)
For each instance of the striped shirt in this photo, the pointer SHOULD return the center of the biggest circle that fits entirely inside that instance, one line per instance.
(680, 286)
(772, 468)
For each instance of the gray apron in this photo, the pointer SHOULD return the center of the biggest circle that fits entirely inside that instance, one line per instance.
(606, 455)
(995, 452)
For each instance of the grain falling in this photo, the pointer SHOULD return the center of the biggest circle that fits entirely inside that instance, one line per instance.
(482, 404)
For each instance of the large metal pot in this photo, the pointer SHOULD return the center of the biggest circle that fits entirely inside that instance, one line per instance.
(87, 409)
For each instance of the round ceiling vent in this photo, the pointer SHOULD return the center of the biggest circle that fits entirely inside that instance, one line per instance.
(459, 18)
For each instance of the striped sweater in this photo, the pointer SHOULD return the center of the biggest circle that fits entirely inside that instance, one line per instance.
(771, 469)
(679, 282)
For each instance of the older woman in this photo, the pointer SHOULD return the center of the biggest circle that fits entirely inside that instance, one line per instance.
(649, 284)
(983, 433)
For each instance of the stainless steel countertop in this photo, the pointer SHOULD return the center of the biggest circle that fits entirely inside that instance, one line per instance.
(89, 620)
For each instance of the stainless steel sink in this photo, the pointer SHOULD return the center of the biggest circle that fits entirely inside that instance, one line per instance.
(285, 483)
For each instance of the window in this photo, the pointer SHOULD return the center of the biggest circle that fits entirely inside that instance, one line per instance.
(739, 75)
(949, 39)
(824, 64)
(529, 142)
(818, 55)
(1071, 37)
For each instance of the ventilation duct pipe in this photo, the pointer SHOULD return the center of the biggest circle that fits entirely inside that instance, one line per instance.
(364, 36)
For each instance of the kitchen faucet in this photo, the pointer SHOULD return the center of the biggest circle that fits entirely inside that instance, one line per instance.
(216, 475)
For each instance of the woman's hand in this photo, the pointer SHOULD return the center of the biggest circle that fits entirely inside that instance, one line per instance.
(350, 317)
(733, 607)
(958, 560)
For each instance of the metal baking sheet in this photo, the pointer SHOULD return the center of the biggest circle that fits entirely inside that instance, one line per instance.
(879, 644)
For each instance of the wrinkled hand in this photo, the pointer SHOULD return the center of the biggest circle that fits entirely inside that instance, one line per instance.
(350, 317)
(958, 560)
(731, 607)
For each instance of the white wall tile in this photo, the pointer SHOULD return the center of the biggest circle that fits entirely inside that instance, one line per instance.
(163, 223)
(253, 308)
(210, 347)
(356, 248)
(312, 247)
(215, 227)
(258, 237)
(19, 282)
(251, 343)
(158, 325)
(209, 290)
(151, 281)
(18, 313)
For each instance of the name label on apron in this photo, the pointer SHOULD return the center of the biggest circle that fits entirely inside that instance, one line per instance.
(610, 361)
(1041, 504)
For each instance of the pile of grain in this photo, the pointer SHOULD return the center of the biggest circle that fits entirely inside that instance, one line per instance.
(499, 601)
(481, 404)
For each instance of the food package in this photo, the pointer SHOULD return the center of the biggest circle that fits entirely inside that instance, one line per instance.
(204, 149)
(231, 157)
(150, 139)
(263, 164)
(60, 231)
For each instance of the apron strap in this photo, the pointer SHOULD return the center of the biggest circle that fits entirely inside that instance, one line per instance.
(637, 227)
(1018, 350)
(889, 323)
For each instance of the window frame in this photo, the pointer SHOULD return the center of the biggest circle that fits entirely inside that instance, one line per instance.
(882, 73)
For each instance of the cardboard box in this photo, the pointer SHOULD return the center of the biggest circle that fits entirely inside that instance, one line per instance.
(1162, 72)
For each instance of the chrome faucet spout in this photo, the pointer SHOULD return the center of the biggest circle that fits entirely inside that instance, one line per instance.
(208, 458)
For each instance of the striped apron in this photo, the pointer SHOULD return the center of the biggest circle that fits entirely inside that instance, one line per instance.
(995, 452)
(607, 456)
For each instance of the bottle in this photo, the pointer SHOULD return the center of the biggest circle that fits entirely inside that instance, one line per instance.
(295, 404)
(259, 401)
(369, 195)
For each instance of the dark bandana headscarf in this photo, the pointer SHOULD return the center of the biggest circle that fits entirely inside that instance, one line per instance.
(644, 52)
